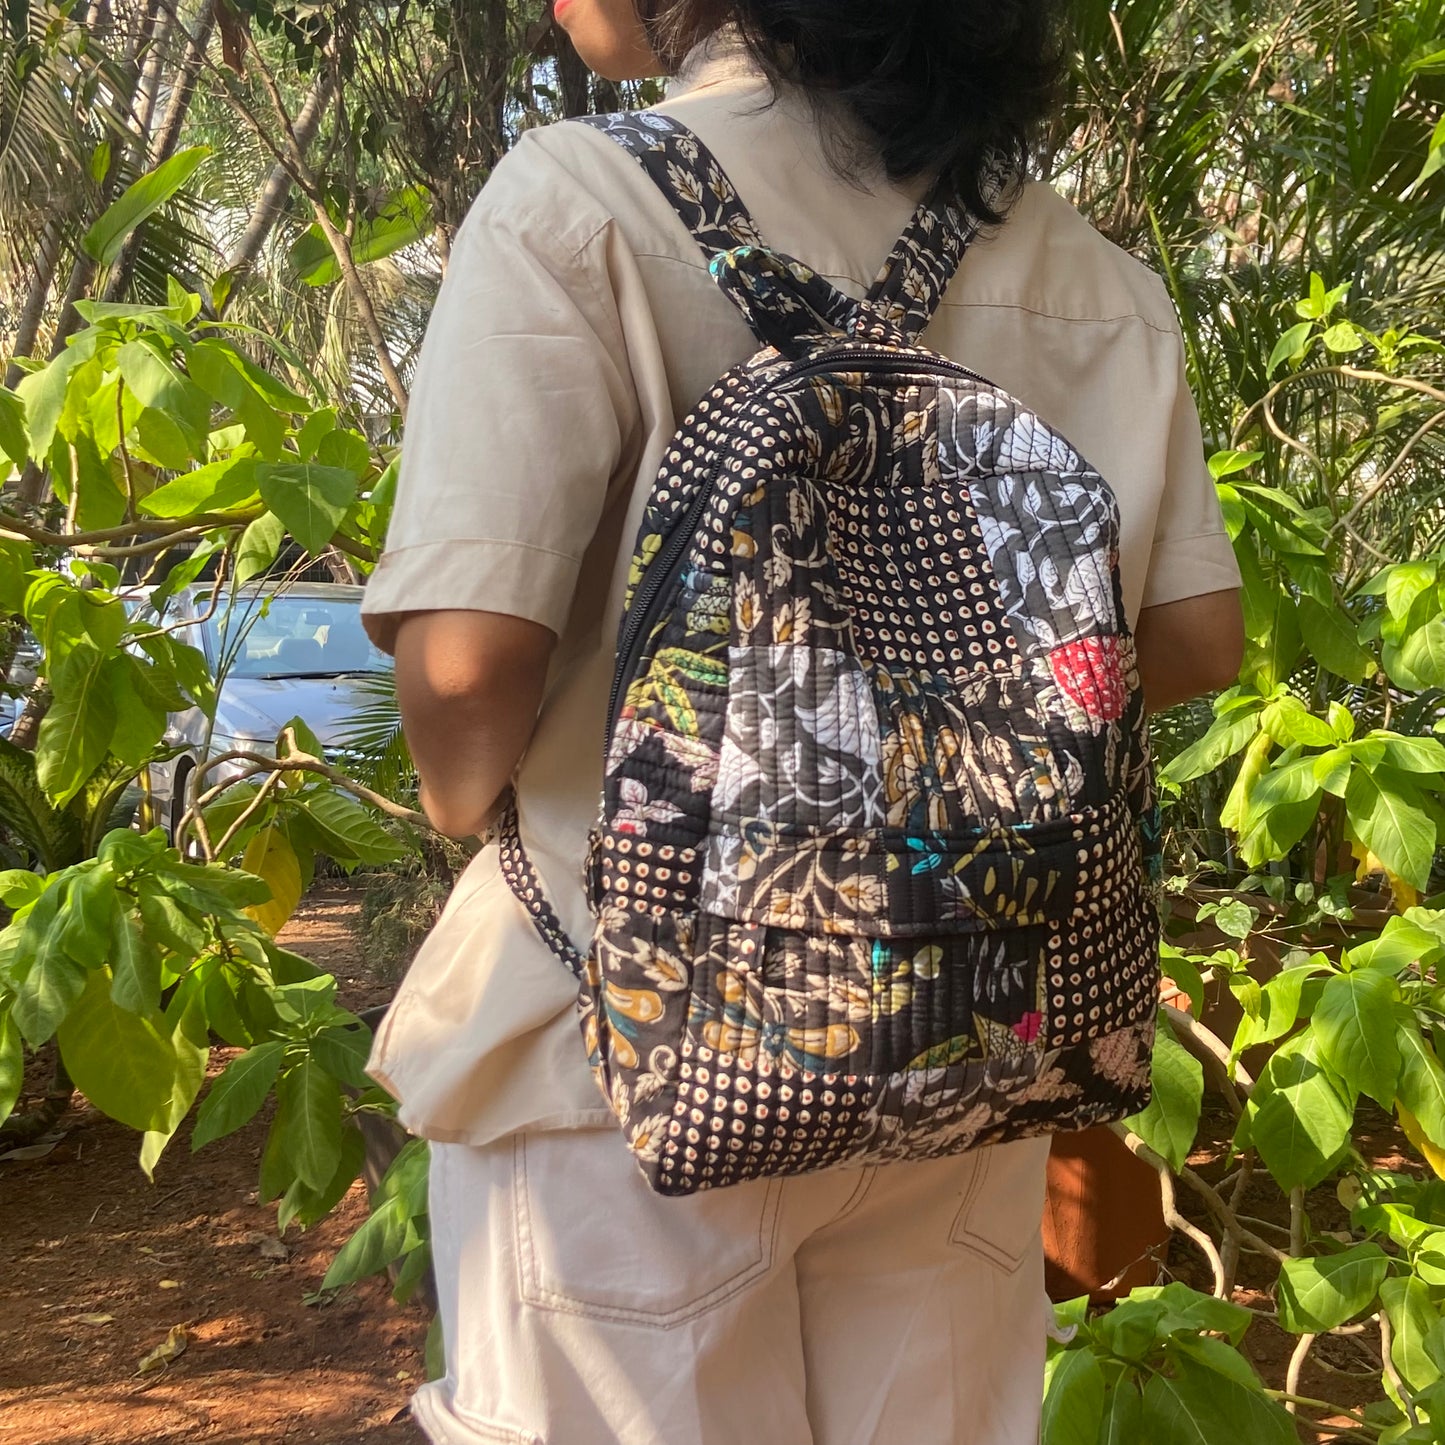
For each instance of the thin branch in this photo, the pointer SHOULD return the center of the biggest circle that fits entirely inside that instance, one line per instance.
(1296, 1369)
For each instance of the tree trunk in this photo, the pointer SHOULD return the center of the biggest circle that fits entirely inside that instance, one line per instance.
(33, 311)
(272, 200)
(163, 145)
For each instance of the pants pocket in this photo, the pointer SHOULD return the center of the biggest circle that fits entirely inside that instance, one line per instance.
(594, 1240)
(1003, 1204)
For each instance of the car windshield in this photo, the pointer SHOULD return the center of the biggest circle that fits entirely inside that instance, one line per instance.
(291, 637)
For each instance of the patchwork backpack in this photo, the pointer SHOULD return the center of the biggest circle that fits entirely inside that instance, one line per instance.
(872, 875)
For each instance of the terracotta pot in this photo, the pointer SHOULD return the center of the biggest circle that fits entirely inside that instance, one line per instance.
(1104, 1230)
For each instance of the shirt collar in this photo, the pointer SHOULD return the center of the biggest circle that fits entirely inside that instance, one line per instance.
(714, 60)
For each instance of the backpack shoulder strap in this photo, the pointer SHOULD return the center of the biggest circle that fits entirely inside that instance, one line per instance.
(911, 285)
(687, 173)
(787, 305)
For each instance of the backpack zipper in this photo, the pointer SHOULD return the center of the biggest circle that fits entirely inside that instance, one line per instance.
(667, 565)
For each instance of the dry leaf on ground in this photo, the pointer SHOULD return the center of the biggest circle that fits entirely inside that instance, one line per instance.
(172, 1348)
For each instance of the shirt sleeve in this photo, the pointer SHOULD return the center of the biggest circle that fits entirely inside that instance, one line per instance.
(522, 405)
(1192, 554)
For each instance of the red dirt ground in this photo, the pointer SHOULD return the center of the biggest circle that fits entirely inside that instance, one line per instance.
(97, 1265)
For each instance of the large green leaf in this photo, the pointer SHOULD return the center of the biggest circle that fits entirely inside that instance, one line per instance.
(1315, 1295)
(1074, 1399)
(311, 500)
(157, 383)
(403, 220)
(75, 732)
(381, 1239)
(47, 984)
(1224, 739)
(43, 393)
(83, 924)
(309, 1118)
(219, 487)
(1413, 1318)
(1420, 661)
(1196, 1405)
(14, 435)
(1300, 1114)
(124, 1064)
(12, 1064)
(1422, 1082)
(236, 1097)
(1389, 818)
(348, 832)
(1355, 1021)
(1170, 1122)
(106, 239)
(1123, 1420)
(136, 967)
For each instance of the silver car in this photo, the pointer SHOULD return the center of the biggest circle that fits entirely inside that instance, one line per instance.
(276, 655)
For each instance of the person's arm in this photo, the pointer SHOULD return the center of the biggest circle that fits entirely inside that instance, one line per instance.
(470, 685)
(1189, 648)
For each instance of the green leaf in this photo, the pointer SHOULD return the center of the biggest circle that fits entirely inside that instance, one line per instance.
(1287, 720)
(220, 487)
(43, 393)
(136, 967)
(159, 385)
(1315, 1295)
(1412, 1318)
(1300, 1114)
(307, 1206)
(1413, 755)
(343, 1053)
(350, 833)
(236, 1097)
(1170, 1122)
(1227, 463)
(1331, 637)
(1199, 1406)
(1343, 338)
(1405, 582)
(270, 857)
(309, 1115)
(404, 219)
(1393, 825)
(121, 1062)
(1224, 739)
(83, 924)
(260, 543)
(161, 441)
(12, 1065)
(311, 500)
(1291, 346)
(106, 239)
(1422, 1082)
(1123, 1420)
(46, 987)
(1187, 1310)
(1074, 1402)
(14, 436)
(1420, 660)
(381, 1239)
(1355, 1022)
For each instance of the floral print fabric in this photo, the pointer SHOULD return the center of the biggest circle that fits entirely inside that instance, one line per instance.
(871, 880)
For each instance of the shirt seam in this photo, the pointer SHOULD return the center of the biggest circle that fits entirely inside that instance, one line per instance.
(484, 542)
(1163, 330)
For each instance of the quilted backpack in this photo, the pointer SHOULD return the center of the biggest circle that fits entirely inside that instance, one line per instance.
(871, 879)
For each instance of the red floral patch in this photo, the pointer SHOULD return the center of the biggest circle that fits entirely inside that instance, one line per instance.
(1091, 672)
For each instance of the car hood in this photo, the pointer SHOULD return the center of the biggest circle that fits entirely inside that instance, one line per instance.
(259, 707)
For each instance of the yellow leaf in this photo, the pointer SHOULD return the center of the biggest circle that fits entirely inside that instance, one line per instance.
(173, 1348)
(1434, 1157)
(270, 856)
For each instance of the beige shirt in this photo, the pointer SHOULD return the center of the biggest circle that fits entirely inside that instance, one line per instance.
(576, 328)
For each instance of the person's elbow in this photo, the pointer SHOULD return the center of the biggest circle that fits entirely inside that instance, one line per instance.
(1190, 648)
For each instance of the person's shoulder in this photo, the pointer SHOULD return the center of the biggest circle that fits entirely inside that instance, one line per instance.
(554, 184)
(1047, 257)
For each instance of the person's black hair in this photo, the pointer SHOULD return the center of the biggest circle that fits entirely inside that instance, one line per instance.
(955, 88)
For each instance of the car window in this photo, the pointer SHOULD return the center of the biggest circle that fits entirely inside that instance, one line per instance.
(293, 637)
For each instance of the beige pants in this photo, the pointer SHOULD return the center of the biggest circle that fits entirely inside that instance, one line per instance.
(893, 1306)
